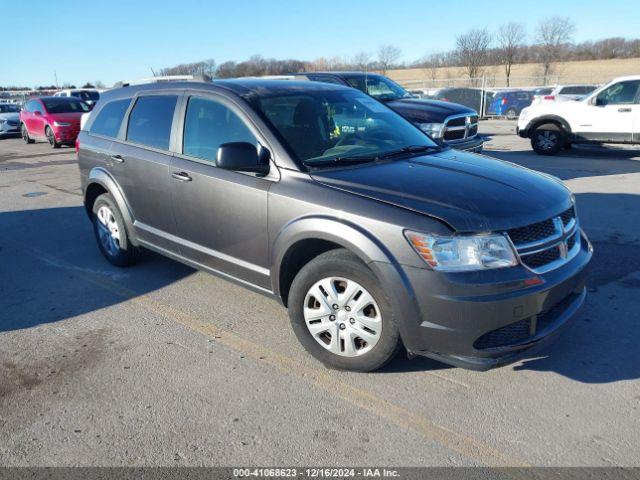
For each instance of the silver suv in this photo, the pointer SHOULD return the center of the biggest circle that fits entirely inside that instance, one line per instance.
(374, 237)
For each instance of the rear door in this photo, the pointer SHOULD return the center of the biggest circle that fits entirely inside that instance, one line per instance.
(610, 116)
(141, 163)
(221, 215)
(37, 119)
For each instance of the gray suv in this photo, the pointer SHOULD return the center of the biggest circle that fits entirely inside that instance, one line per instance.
(373, 236)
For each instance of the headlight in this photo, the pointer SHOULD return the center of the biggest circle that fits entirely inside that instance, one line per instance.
(435, 130)
(463, 253)
(61, 124)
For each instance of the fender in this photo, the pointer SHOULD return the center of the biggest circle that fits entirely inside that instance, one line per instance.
(534, 122)
(100, 176)
(360, 242)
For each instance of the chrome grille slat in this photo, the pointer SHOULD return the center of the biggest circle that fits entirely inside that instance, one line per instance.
(546, 245)
(460, 127)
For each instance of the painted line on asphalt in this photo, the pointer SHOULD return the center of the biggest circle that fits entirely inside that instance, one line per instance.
(461, 443)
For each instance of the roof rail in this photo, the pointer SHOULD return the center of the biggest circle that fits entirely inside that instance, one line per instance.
(165, 78)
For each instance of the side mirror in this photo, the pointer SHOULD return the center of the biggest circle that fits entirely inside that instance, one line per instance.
(37, 112)
(242, 157)
(598, 102)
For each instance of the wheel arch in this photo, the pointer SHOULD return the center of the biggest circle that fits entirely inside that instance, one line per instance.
(303, 239)
(99, 182)
(554, 119)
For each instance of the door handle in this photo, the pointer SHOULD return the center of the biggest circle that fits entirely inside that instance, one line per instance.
(117, 158)
(182, 176)
(624, 110)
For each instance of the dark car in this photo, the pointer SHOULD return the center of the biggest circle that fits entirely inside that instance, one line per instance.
(454, 125)
(509, 103)
(374, 238)
(469, 97)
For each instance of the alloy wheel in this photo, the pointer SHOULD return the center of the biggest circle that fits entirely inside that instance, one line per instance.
(108, 230)
(547, 139)
(342, 316)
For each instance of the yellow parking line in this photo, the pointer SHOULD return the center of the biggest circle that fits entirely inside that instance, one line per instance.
(465, 445)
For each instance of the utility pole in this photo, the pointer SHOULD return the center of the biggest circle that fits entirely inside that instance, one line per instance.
(55, 75)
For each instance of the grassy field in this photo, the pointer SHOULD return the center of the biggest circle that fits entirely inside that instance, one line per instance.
(528, 74)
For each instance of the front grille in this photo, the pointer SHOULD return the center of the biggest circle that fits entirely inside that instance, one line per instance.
(542, 243)
(532, 233)
(460, 127)
(525, 329)
(13, 123)
(540, 259)
(454, 135)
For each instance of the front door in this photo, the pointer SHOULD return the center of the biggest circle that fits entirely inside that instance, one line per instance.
(609, 117)
(221, 215)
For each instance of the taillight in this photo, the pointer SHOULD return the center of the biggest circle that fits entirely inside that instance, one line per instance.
(549, 97)
(504, 101)
(77, 145)
(444, 99)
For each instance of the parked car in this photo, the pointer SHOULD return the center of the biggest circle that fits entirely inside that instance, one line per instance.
(9, 119)
(469, 97)
(54, 119)
(611, 114)
(563, 93)
(372, 238)
(90, 96)
(454, 125)
(509, 103)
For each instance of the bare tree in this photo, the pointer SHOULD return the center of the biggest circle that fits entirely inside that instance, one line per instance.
(510, 40)
(431, 64)
(471, 51)
(388, 56)
(361, 60)
(552, 35)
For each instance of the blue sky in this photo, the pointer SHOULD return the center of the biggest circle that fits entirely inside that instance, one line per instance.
(114, 40)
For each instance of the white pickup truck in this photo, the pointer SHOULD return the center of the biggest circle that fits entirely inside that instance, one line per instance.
(610, 114)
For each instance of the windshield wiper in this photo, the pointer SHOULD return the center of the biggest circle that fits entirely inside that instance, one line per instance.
(343, 160)
(409, 149)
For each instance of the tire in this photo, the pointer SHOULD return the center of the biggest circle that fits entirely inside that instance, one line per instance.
(25, 134)
(343, 274)
(511, 114)
(51, 138)
(548, 139)
(111, 234)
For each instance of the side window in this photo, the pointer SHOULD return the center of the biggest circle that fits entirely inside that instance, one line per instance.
(151, 119)
(109, 119)
(619, 94)
(323, 79)
(208, 124)
(37, 107)
(30, 106)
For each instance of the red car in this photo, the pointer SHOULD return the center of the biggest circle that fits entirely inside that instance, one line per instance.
(54, 119)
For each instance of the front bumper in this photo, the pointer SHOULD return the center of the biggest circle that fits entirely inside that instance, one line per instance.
(473, 144)
(7, 129)
(480, 320)
(66, 134)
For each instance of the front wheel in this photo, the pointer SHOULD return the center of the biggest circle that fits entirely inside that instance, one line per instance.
(51, 138)
(547, 139)
(511, 114)
(341, 314)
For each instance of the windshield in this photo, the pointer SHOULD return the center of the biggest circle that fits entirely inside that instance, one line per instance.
(324, 125)
(378, 87)
(65, 105)
(87, 95)
(8, 108)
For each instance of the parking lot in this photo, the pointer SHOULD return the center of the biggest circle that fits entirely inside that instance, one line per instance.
(161, 365)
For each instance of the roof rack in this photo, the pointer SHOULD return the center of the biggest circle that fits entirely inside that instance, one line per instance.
(165, 78)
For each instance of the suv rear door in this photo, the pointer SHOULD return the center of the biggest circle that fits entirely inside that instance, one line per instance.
(221, 215)
(140, 165)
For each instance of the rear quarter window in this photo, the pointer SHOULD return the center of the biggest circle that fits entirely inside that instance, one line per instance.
(151, 119)
(109, 119)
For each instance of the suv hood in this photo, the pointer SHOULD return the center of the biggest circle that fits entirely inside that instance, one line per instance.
(67, 117)
(471, 193)
(10, 116)
(434, 111)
